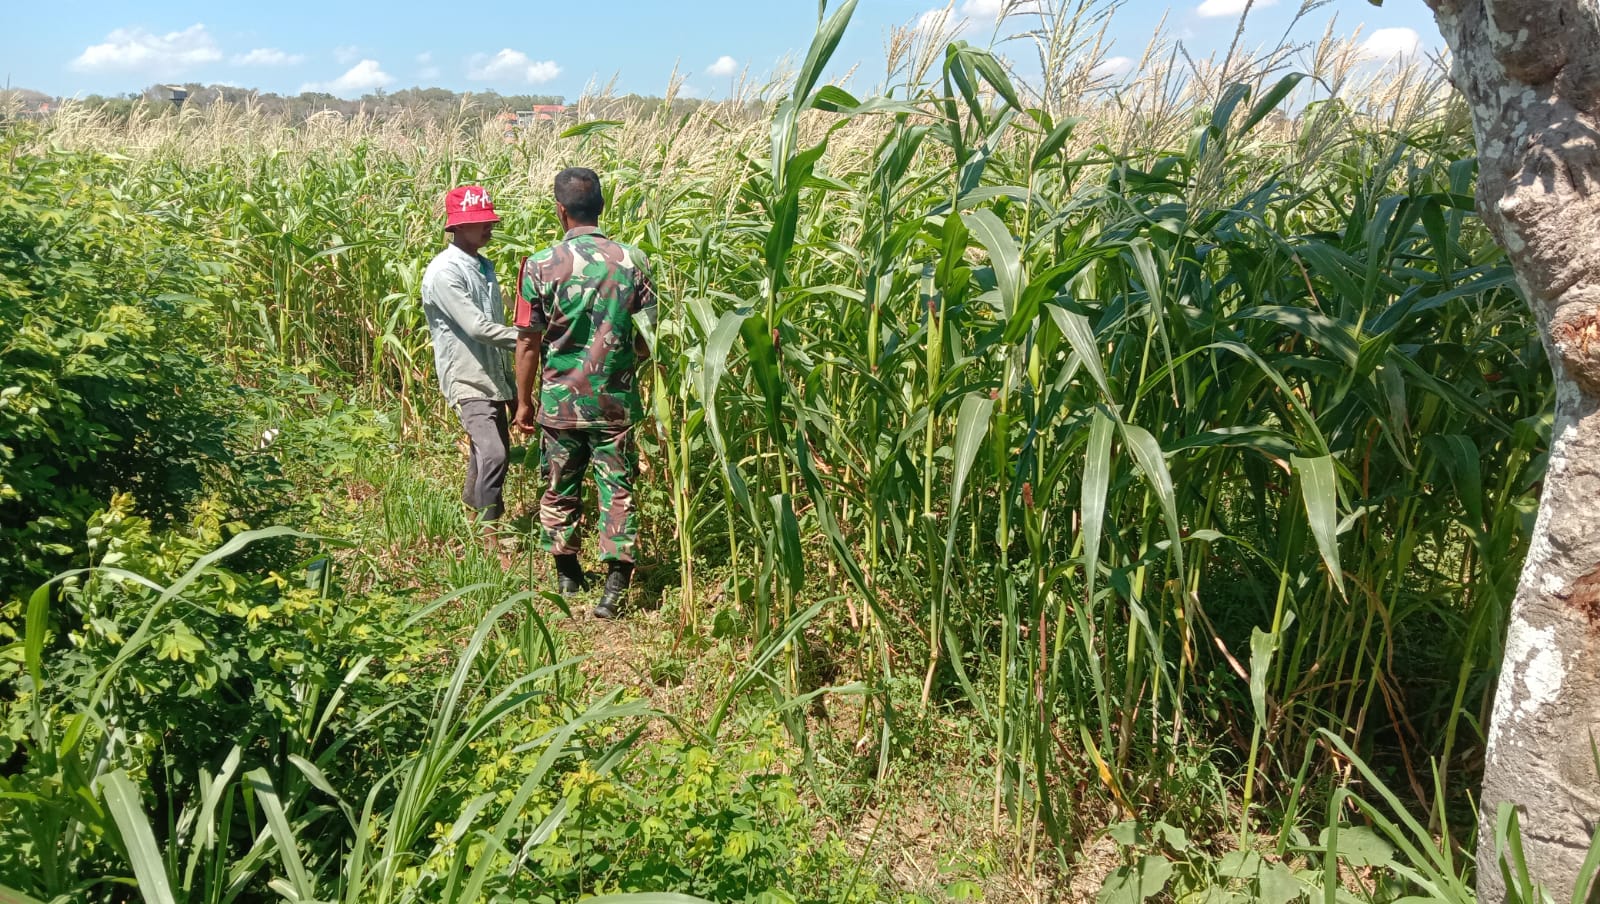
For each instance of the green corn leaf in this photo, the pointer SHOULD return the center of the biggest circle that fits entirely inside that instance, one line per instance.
(1080, 335)
(756, 669)
(1056, 140)
(714, 360)
(127, 809)
(823, 44)
(952, 274)
(320, 781)
(972, 424)
(1263, 645)
(1270, 100)
(995, 74)
(1583, 887)
(1338, 338)
(974, 165)
(1232, 96)
(786, 213)
(1459, 457)
(762, 356)
(830, 526)
(1096, 481)
(1334, 265)
(35, 623)
(593, 127)
(1319, 487)
(1046, 285)
(12, 896)
(897, 153)
(283, 835)
(834, 99)
(1004, 254)
(1307, 422)
(1433, 223)
(212, 790)
(959, 70)
(789, 541)
(1148, 455)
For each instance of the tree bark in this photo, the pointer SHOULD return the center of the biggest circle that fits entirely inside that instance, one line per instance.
(1530, 71)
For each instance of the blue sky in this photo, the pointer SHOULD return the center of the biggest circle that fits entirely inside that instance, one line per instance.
(74, 47)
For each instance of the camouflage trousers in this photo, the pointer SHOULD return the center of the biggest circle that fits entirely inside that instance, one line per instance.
(567, 455)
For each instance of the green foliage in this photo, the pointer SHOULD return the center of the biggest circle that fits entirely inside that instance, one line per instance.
(726, 827)
(331, 770)
(162, 681)
(1188, 466)
(1162, 862)
(104, 383)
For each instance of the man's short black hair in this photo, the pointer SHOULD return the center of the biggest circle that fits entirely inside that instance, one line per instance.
(578, 190)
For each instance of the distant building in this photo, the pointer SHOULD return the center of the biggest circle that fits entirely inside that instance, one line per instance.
(542, 113)
(13, 110)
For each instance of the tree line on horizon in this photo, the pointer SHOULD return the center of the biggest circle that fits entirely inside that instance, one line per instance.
(426, 101)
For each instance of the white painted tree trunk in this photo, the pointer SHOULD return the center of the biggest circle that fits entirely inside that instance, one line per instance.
(1530, 70)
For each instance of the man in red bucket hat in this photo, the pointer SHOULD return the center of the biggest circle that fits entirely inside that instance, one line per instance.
(471, 345)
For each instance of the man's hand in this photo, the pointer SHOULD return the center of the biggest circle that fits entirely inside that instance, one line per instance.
(527, 367)
(526, 420)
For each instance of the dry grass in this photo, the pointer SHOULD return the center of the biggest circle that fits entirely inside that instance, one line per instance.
(1151, 105)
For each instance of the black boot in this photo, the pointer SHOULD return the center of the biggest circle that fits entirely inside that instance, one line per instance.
(617, 581)
(569, 576)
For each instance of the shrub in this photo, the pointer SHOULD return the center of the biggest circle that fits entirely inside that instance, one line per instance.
(104, 384)
(168, 664)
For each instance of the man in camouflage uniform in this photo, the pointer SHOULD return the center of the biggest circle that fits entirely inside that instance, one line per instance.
(576, 308)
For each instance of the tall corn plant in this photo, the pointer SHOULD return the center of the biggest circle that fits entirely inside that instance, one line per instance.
(1175, 365)
(1132, 449)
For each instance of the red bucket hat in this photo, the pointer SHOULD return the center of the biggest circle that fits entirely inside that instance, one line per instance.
(468, 204)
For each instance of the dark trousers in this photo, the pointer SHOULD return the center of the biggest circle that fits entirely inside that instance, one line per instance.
(490, 450)
(567, 456)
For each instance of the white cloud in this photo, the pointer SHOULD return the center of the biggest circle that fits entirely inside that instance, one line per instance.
(426, 68)
(511, 65)
(1388, 43)
(724, 66)
(973, 16)
(935, 20)
(347, 53)
(267, 56)
(1113, 67)
(139, 50)
(363, 77)
(986, 11)
(1211, 9)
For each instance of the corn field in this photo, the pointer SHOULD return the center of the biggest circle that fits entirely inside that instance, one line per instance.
(1188, 419)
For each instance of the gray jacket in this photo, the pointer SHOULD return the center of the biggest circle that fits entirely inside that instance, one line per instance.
(466, 317)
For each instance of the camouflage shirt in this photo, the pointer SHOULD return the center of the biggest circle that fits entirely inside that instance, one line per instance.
(584, 294)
